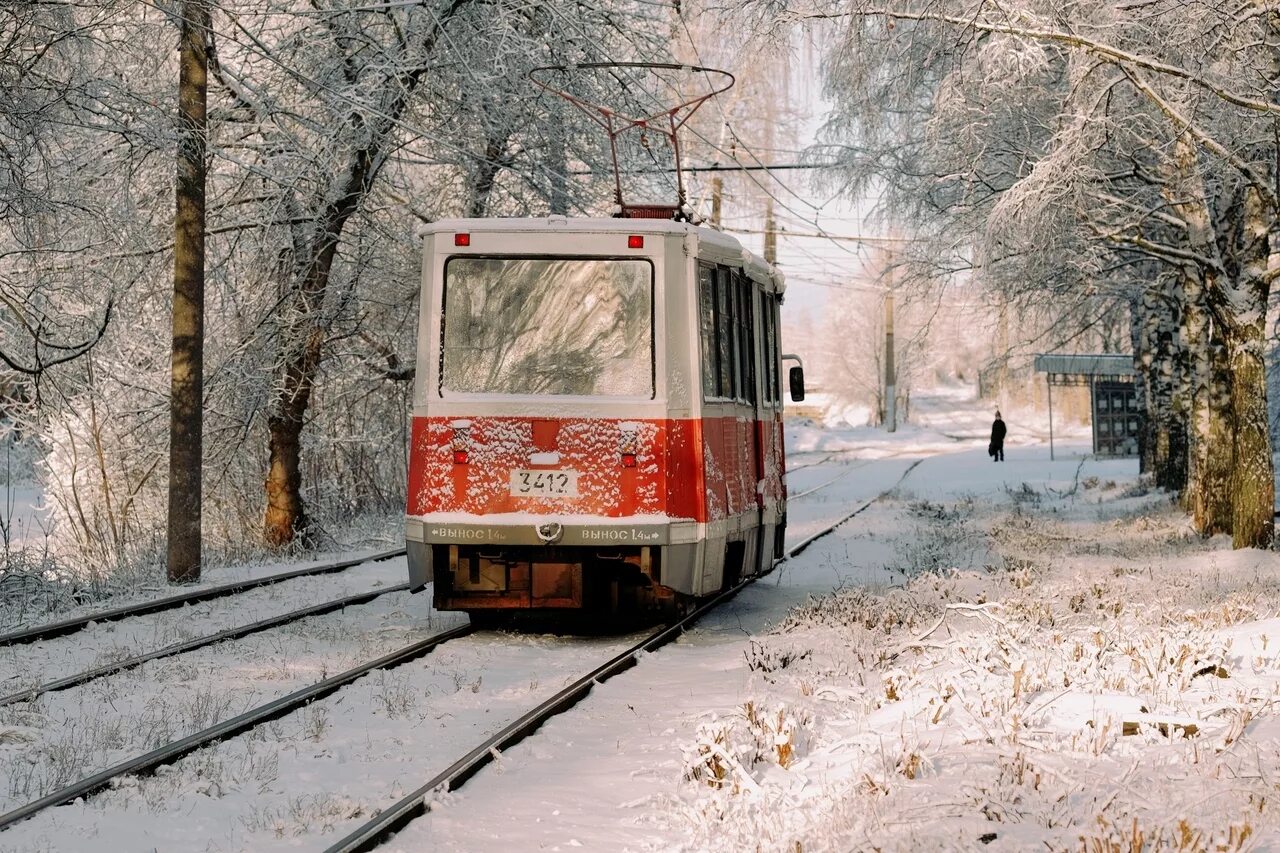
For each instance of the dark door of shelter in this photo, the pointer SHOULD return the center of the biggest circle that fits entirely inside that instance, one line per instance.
(1116, 419)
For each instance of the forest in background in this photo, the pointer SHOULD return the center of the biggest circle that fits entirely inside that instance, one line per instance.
(1078, 174)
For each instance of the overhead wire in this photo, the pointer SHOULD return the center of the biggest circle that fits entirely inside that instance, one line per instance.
(725, 118)
(761, 165)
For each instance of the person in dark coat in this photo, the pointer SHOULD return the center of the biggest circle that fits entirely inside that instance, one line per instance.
(996, 448)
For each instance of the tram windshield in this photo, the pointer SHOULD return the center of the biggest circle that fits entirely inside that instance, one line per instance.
(574, 326)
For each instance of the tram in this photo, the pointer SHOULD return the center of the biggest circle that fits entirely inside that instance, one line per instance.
(597, 416)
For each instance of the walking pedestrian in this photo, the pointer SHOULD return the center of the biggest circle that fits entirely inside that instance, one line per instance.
(996, 448)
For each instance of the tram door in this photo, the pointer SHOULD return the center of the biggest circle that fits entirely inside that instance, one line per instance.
(748, 299)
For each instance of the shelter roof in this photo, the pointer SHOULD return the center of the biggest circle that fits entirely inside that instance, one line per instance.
(1100, 364)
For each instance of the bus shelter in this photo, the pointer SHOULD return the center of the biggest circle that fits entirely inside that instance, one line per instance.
(1117, 421)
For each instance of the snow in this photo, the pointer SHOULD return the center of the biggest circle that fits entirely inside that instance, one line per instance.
(215, 576)
(1006, 656)
(26, 519)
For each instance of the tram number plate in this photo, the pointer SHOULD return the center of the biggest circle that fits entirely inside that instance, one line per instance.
(545, 484)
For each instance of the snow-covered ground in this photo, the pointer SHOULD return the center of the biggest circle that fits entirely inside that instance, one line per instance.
(943, 420)
(1011, 656)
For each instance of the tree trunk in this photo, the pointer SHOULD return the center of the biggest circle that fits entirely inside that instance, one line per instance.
(1160, 356)
(286, 517)
(1210, 443)
(1253, 475)
(1208, 496)
(1253, 480)
(486, 174)
(186, 421)
(1142, 340)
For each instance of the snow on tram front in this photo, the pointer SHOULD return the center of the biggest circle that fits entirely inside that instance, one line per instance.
(597, 420)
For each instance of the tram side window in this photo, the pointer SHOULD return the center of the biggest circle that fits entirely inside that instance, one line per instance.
(707, 326)
(729, 283)
(744, 316)
(769, 327)
(724, 333)
(727, 307)
(764, 346)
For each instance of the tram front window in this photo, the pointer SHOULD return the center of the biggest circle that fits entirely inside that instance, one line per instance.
(574, 326)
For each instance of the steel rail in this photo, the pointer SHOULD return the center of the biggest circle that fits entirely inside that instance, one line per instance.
(198, 643)
(394, 818)
(227, 728)
(70, 626)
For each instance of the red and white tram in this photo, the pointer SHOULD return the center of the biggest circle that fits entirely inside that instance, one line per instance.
(597, 417)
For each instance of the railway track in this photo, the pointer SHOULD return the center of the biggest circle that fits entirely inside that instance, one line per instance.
(70, 626)
(231, 727)
(198, 643)
(814, 463)
(387, 822)
(390, 820)
(850, 469)
(394, 818)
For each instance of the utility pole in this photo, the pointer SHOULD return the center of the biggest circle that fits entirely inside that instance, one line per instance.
(559, 165)
(717, 194)
(186, 400)
(890, 370)
(770, 234)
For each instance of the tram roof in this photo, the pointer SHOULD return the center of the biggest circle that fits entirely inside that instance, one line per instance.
(609, 225)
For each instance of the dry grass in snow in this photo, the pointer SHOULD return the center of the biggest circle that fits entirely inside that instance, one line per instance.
(1093, 678)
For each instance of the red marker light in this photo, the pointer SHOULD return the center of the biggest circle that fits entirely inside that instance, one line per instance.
(628, 460)
(459, 457)
(635, 241)
(462, 239)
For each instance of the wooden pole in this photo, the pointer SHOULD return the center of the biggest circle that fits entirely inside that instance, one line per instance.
(890, 369)
(186, 414)
(1048, 381)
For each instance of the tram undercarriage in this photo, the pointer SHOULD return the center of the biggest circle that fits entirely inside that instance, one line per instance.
(479, 579)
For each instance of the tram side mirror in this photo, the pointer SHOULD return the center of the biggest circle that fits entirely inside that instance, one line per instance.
(795, 378)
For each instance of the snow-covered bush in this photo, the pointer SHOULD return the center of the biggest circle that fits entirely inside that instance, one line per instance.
(727, 751)
(1092, 687)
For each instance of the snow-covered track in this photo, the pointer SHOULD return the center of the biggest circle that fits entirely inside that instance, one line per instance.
(826, 457)
(805, 543)
(396, 817)
(70, 626)
(237, 725)
(837, 478)
(199, 643)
